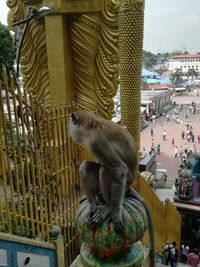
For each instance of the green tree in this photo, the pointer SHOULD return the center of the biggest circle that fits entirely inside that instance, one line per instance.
(176, 77)
(149, 59)
(192, 73)
(7, 53)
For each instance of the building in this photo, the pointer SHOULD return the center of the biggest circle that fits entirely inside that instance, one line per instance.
(185, 62)
(156, 102)
(153, 80)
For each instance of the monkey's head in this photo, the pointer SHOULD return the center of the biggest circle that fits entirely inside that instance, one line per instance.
(81, 124)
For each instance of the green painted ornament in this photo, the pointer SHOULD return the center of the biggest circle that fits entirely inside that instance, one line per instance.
(103, 240)
(133, 257)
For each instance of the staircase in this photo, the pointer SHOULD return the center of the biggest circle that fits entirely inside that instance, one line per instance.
(162, 213)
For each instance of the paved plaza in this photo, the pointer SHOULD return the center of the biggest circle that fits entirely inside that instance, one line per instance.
(166, 159)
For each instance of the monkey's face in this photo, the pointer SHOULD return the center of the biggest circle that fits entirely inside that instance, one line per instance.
(76, 130)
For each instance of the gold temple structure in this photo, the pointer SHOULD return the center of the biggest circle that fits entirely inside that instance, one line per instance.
(82, 52)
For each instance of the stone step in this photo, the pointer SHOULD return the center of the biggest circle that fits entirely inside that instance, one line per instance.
(179, 264)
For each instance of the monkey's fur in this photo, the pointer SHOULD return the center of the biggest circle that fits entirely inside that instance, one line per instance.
(109, 178)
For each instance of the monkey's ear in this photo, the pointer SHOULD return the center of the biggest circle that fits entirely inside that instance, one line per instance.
(74, 118)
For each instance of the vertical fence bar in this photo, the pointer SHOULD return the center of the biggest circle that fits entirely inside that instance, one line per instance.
(30, 124)
(52, 186)
(10, 149)
(55, 157)
(69, 193)
(67, 224)
(60, 155)
(47, 180)
(35, 126)
(17, 155)
(2, 166)
(25, 161)
(43, 173)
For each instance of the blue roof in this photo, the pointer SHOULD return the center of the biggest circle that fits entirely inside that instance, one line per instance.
(152, 81)
(149, 73)
(165, 81)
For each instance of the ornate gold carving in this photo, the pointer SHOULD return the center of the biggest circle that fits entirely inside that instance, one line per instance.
(107, 58)
(131, 18)
(128, 5)
(16, 12)
(33, 59)
(94, 42)
(34, 64)
(84, 35)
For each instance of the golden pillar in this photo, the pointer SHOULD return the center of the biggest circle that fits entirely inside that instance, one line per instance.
(61, 85)
(131, 21)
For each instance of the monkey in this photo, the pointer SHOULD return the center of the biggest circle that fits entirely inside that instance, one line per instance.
(108, 180)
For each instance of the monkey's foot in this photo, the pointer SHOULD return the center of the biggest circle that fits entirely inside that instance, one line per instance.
(118, 222)
(99, 215)
(103, 238)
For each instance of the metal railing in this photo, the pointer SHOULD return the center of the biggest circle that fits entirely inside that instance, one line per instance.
(39, 181)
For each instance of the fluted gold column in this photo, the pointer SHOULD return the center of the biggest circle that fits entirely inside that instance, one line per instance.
(131, 21)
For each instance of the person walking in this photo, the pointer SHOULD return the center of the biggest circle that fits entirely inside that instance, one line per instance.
(167, 253)
(158, 149)
(181, 151)
(192, 137)
(176, 152)
(173, 141)
(152, 145)
(184, 253)
(186, 148)
(174, 255)
(193, 258)
(188, 137)
(164, 135)
(183, 134)
(167, 117)
(151, 132)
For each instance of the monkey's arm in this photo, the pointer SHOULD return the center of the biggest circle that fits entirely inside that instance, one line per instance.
(117, 194)
(113, 178)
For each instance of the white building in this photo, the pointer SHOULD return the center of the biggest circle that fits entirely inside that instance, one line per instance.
(184, 62)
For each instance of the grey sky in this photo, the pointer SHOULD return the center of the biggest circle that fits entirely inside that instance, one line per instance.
(169, 25)
(172, 25)
(3, 12)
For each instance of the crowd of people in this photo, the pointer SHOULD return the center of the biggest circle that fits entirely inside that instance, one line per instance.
(187, 136)
(171, 255)
(176, 134)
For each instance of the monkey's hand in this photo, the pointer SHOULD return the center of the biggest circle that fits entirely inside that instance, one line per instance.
(117, 220)
(92, 211)
(99, 215)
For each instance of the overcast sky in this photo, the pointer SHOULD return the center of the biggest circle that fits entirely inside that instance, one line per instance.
(169, 25)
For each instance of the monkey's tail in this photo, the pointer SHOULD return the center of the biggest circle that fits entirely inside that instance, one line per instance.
(133, 194)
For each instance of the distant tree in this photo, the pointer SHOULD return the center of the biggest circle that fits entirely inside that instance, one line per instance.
(149, 59)
(176, 77)
(175, 53)
(144, 82)
(192, 73)
(162, 70)
(7, 54)
(162, 58)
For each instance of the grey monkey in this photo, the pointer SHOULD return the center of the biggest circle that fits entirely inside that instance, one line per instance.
(109, 178)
